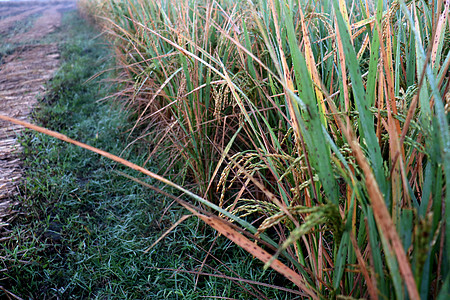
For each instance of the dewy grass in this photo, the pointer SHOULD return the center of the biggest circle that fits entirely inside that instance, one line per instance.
(85, 228)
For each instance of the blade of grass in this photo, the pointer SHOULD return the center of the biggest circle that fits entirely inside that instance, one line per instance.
(181, 220)
(366, 120)
(312, 130)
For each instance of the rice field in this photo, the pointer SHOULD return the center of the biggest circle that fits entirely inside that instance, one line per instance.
(312, 134)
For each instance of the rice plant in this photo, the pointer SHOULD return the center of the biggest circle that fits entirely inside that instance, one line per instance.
(313, 134)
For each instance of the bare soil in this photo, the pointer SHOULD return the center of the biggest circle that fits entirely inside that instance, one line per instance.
(22, 78)
(9, 22)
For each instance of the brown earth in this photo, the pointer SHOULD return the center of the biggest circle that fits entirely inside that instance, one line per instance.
(9, 11)
(8, 23)
(22, 78)
(45, 24)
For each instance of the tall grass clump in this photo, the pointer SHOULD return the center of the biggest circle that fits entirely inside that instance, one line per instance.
(313, 134)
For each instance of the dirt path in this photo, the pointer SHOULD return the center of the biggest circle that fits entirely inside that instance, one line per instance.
(22, 78)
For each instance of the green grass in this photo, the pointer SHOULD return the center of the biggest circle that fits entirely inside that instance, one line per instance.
(84, 228)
